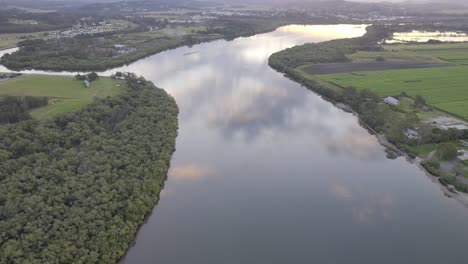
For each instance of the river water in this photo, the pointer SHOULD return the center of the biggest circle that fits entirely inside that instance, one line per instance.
(266, 171)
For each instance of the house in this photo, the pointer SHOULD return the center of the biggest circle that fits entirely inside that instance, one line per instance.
(392, 101)
(410, 133)
(87, 83)
(464, 155)
(459, 127)
(463, 143)
(439, 125)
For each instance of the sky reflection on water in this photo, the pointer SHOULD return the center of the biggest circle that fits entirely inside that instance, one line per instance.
(268, 172)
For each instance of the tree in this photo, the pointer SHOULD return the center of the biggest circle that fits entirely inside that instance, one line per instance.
(447, 151)
(80, 77)
(92, 77)
(419, 101)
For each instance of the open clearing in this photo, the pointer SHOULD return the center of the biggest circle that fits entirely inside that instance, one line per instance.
(331, 68)
(11, 39)
(66, 93)
(444, 88)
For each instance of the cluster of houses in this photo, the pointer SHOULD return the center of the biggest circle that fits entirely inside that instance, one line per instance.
(409, 133)
(443, 126)
(123, 49)
(412, 134)
(77, 30)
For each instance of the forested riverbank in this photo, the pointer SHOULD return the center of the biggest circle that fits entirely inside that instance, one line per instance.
(77, 187)
(100, 52)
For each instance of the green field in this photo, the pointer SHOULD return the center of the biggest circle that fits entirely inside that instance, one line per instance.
(455, 53)
(445, 88)
(10, 40)
(66, 93)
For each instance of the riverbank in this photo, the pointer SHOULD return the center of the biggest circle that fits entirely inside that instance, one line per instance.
(92, 53)
(366, 105)
(280, 138)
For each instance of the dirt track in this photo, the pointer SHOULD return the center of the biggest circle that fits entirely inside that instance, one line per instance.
(330, 68)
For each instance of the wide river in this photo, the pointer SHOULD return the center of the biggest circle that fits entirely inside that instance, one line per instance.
(266, 171)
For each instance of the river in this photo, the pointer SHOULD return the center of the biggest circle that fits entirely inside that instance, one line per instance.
(266, 171)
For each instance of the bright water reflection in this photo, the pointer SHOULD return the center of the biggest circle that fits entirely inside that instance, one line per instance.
(424, 36)
(268, 172)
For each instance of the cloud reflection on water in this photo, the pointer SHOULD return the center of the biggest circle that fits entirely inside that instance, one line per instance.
(229, 88)
(191, 172)
(364, 206)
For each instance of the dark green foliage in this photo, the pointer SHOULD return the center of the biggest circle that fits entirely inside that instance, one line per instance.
(452, 180)
(446, 151)
(15, 108)
(430, 135)
(80, 77)
(329, 51)
(433, 167)
(76, 188)
(45, 21)
(419, 101)
(98, 52)
(90, 77)
(88, 53)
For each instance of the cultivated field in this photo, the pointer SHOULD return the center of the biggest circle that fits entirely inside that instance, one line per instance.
(331, 68)
(445, 87)
(455, 53)
(66, 93)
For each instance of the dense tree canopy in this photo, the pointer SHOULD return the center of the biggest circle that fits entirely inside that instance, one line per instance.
(15, 108)
(77, 187)
(446, 151)
(329, 51)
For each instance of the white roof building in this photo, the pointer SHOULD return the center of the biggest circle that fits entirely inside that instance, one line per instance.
(464, 155)
(410, 133)
(392, 101)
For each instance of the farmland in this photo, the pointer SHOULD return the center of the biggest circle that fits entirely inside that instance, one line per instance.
(65, 93)
(10, 40)
(455, 53)
(443, 88)
(346, 67)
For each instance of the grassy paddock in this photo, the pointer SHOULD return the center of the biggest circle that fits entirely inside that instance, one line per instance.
(443, 88)
(66, 93)
(10, 40)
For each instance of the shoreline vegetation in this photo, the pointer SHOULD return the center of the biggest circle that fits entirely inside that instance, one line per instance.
(104, 51)
(387, 122)
(77, 187)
